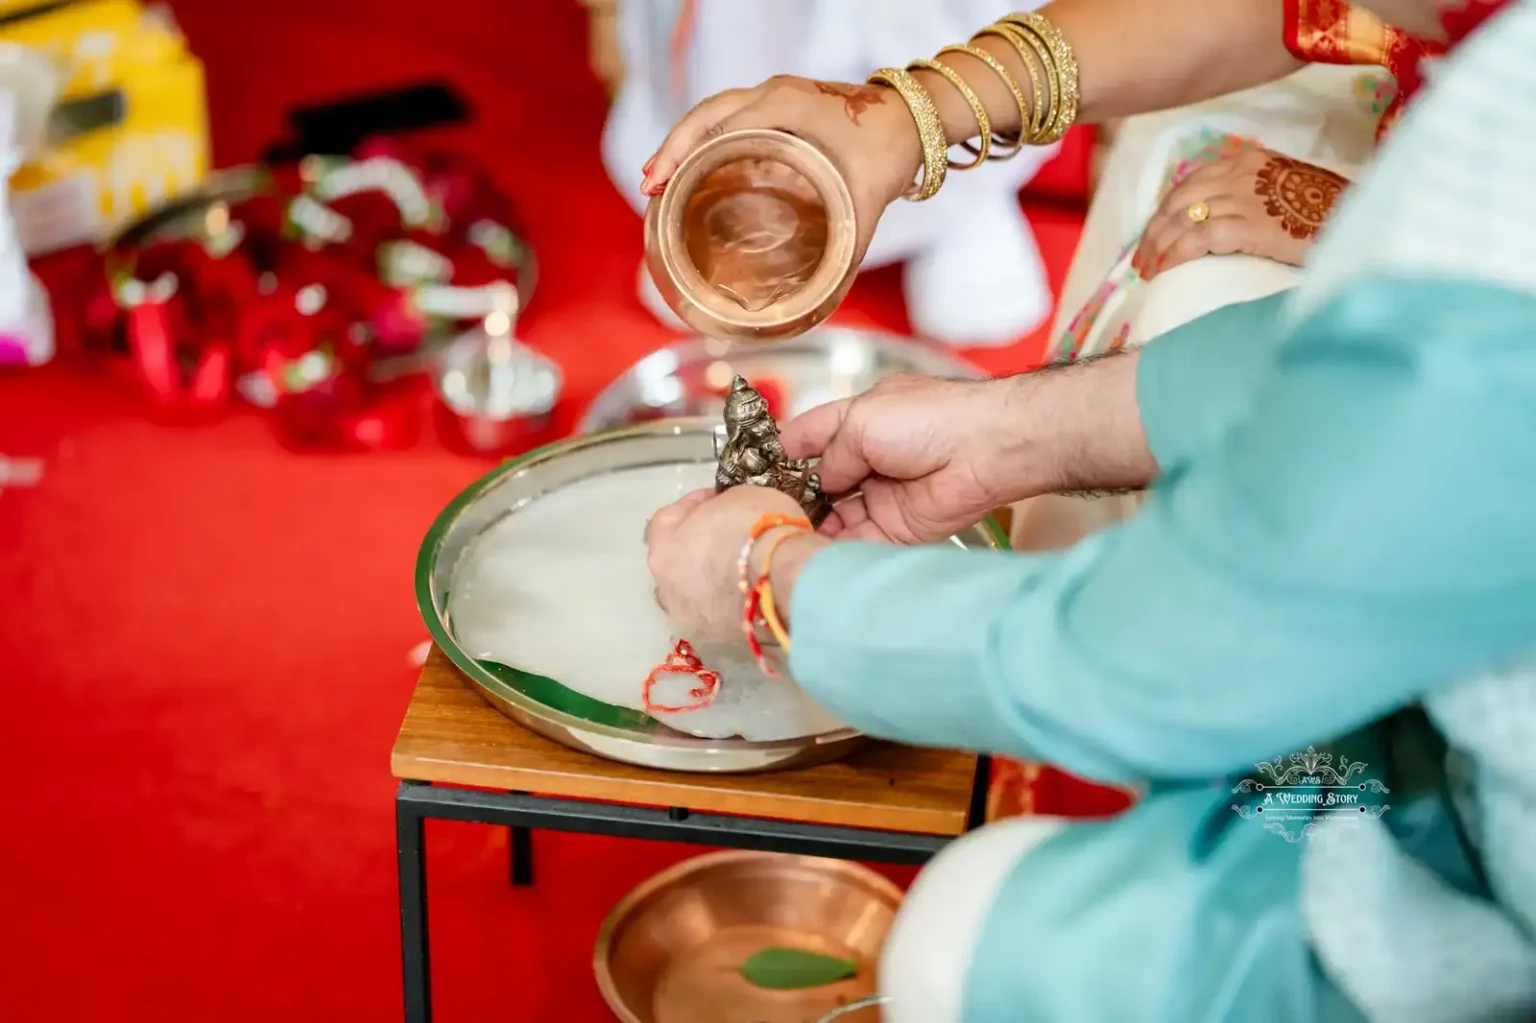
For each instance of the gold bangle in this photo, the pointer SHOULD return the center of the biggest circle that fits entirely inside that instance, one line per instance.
(1031, 129)
(1066, 65)
(1032, 52)
(1066, 71)
(978, 110)
(1026, 115)
(1028, 44)
(930, 130)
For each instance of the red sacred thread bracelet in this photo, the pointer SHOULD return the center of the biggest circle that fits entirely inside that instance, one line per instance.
(752, 607)
(683, 660)
(772, 520)
(750, 617)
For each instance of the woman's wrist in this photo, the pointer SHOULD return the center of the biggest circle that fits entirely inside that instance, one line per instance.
(901, 157)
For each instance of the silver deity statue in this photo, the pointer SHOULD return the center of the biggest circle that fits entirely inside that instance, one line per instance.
(753, 454)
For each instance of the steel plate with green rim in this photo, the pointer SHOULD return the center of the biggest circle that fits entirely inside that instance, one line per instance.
(545, 705)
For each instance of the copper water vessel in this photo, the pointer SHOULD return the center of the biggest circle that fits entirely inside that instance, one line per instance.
(753, 238)
(671, 950)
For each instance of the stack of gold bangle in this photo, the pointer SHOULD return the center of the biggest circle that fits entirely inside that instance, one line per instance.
(1053, 78)
(1004, 146)
(1060, 68)
(1036, 61)
(978, 109)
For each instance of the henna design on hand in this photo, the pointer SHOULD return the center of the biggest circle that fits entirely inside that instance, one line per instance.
(1298, 194)
(714, 131)
(856, 98)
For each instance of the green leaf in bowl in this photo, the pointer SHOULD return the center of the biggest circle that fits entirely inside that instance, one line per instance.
(786, 969)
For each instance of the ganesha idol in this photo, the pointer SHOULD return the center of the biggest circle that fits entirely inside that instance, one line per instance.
(972, 274)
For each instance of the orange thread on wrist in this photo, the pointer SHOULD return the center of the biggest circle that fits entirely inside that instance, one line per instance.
(752, 607)
(773, 520)
(771, 617)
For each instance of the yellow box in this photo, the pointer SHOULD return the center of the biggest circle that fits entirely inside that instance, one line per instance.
(25, 8)
(95, 43)
(92, 185)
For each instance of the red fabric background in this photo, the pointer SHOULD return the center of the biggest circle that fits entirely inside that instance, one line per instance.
(203, 637)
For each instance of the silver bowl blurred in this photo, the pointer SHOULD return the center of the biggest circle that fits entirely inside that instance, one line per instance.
(691, 378)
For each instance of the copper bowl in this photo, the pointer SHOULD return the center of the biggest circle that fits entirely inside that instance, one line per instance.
(671, 950)
(753, 238)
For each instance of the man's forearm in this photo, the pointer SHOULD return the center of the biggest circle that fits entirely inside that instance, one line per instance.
(789, 560)
(1070, 427)
(1065, 427)
(1110, 423)
(1133, 56)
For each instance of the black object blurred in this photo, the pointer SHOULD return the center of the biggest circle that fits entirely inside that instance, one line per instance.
(42, 7)
(74, 117)
(335, 129)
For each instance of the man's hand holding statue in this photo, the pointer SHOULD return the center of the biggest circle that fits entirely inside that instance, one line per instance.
(911, 461)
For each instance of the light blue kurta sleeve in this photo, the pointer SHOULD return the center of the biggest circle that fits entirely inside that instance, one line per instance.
(1359, 534)
(1195, 381)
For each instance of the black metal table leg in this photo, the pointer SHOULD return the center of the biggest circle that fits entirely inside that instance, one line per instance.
(411, 852)
(980, 786)
(520, 813)
(547, 813)
(520, 855)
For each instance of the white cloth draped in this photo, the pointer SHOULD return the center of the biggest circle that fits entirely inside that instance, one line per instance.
(1322, 114)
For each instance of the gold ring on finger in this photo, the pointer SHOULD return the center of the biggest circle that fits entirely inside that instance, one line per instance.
(1198, 212)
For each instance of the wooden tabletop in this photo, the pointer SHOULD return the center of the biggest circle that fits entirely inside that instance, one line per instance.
(451, 736)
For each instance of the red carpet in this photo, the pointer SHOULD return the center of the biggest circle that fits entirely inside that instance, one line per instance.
(204, 637)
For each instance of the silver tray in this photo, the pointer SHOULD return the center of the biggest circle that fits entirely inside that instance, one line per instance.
(691, 378)
(543, 704)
